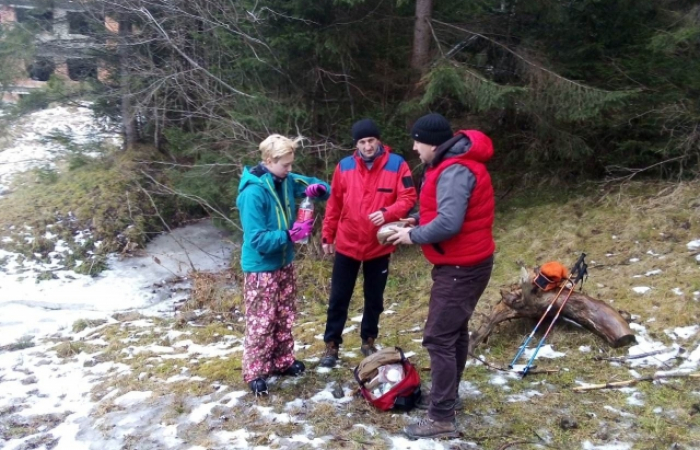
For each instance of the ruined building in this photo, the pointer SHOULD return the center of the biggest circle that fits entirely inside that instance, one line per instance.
(65, 39)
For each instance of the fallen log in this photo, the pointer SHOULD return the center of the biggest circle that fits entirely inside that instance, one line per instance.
(528, 301)
(619, 384)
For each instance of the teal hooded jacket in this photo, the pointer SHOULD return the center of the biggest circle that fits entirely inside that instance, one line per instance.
(266, 215)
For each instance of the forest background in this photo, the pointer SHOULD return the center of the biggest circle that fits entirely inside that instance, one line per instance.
(568, 90)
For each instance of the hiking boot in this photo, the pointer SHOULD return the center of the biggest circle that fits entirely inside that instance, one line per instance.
(424, 402)
(297, 368)
(368, 347)
(330, 357)
(258, 386)
(428, 428)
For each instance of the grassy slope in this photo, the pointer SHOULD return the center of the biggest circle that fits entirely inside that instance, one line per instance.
(529, 230)
(102, 195)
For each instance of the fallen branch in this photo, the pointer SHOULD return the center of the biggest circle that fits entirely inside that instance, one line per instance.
(626, 358)
(619, 384)
(510, 444)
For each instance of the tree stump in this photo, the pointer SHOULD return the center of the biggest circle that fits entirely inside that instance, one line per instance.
(528, 301)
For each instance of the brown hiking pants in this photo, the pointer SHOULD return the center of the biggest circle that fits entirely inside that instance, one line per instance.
(453, 297)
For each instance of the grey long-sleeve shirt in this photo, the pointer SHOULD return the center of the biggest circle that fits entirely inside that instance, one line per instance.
(454, 188)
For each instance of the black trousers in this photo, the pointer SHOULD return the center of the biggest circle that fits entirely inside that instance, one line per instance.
(345, 271)
(453, 297)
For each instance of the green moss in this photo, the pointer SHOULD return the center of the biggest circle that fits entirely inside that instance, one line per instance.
(225, 370)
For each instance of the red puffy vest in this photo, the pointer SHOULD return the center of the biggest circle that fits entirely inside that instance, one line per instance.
(474, 242)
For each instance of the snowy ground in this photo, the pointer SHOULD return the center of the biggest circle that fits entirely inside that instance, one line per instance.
(149, 284)
(43, 137)
(53, 401)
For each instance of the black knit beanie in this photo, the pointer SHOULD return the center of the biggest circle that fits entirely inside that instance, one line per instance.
(363, 129)
(431, 129)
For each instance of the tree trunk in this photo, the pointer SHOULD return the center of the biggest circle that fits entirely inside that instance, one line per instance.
(529, 301)
(128, 119)
(421, 36)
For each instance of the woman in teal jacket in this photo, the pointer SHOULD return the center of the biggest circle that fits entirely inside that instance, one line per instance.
(266, 203)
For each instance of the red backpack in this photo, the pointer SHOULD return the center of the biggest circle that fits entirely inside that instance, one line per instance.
(402, 396)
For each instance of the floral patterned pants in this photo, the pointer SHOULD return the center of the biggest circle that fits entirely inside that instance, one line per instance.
(270, 309)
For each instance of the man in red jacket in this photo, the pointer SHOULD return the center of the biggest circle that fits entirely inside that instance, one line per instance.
(369, 188)
(455, 232)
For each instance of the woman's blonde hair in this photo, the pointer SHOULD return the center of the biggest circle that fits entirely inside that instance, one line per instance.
(276, 146)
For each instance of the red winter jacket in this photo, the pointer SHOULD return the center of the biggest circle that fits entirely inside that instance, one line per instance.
(357, 192)
(474, 242)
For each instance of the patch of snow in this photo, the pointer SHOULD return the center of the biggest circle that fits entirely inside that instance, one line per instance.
(349, 329)
(178, 378)
(157, 349)
(356, 318)
(402, 443)
(641, 289)
(468, 389)
(584, 349)
(635, 399)
(166, 435)
(235, 439)
(326, 395)
(172, 335)
(546, 351)
(523, 396)
(618, 412)
(295, 404)
(693, 245)
(315, 443)
(677, 291)
(651, 273)
(132, 398)
(201, 412)
(498, 380)
(646, 345)
(267, 413)
(692, 359)
(587, 445)
(370, 429)
(683, 332)
(634, 260)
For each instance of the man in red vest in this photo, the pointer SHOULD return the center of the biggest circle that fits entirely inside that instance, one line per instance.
(454, 229)
(371, 187)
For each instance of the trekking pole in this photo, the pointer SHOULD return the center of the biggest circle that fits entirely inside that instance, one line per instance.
(523, 346)
(582, 270)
